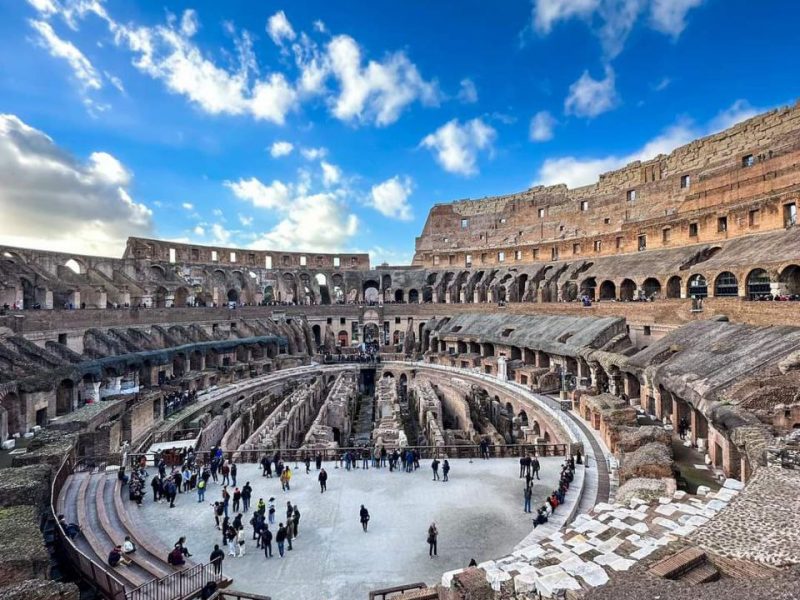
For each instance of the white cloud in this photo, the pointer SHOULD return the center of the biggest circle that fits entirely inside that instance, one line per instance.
(541, 128)
(548, 12)
(279, 28)
(220, 235)
(319, 26)
(51, 200)
(613, 20)
(82, 68)
(314, 153)
(198, 230)
(245, 220)
(44, 7)
(468, 93)
(187, 206)
(379, 255)
(168, 54)
(456, 146)
(662, 84)
(378, 91)
(216, 212)
(331, 174)
(319, 222)
(279, 149)
(189, 23)
(275, 195)
(669, 16)
(591, 97)
(576, 172)
(390, 198)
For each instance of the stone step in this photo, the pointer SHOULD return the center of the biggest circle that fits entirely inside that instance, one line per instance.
(673, 566)
(702, 573)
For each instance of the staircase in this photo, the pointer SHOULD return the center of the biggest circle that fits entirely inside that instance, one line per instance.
(689, 566)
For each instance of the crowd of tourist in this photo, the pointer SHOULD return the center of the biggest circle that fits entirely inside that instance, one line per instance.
(557, 496)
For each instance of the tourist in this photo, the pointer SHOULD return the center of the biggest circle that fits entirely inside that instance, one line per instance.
(247, 493)
(289, 512)
(319, 461)
(272, 511)
(522, 467)
(307, 462)
(266, 542)
(155, 483)
(226, 498)
(216, 558)
(323, 481)
(289, 533)
(257, 521)
(240, 538)
(128, 547)
(233, 471)
(433, 535)
(170, 491)
(181, 545)
(364, 515)
(237, 499)
(261, 506)
(115, 557)
(280, 538)
(535, 466)
(286, 476)
(528, 493)
(266, 466)
(435, 468)
(201, 490)
(446, 470)
(232, 536)
(295, 521)
(71, 530)
(579, 457)
(226, 525)
(365, 458)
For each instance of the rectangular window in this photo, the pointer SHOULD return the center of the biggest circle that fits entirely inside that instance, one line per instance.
(607, 221)
(722, 224)
(233, 257)
(342, 321)
(353, 261)
(214, 256)
(631, 195)
(451, 259)
(584, 205)
(692, 229)
(501, 257)
(790, 214)
(642, 242)
(172, 255)
(754, 217)
(303, 261)
(62, 339)
(535, 254)
(666, 233)
(576, 248)
(464, 223)
(267, 262)
(483, 258)
(518, 255)
(598, 246)
(337, 262)
(554, 253)
(436, 260)
(647, 330)
(686, 181)
(468, 260)
(195, 254)
(748, 160)
(541, 213)
(396, 321)
(619, 243)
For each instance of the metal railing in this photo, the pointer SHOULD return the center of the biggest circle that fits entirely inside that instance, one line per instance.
(399, 591)
(175, 586)
(234, 595)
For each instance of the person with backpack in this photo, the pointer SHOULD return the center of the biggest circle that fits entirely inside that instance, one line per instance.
(266, 541)
(280, 538)
(435, 468)
(247, 493)
(216, 558)
(323, 481)
(295, 521)
(433, 537)
(364, 515)
(201, 490)
(446, 470)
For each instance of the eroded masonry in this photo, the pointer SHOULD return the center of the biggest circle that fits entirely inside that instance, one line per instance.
(648, 321)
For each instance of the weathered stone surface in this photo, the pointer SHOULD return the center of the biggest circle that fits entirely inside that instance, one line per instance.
(38, 589)
(26, 485)
(22, 553)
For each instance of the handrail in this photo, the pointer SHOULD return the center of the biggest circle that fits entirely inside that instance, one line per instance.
(178, 585)
(234, 595)
(400, 589)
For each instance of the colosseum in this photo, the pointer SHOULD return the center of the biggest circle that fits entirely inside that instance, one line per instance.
(637, 338)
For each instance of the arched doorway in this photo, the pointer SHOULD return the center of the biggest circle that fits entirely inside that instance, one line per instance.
(316, 331)
(233, 295)
(181, 297)
(588, 287)
(698, 287)
(608, 291)
(726, 285)
(160, 297)
(674, 287)
(371, 333)
(758, 284)
(398, 296)
(413, 296)
(371, 293)
(652, 288)
(269, 294)
(627, 289)
(790, 278)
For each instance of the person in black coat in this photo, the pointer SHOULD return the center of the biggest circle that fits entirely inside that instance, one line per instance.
(266, 541)
(216, 558)
(323, 481)
(364, 514)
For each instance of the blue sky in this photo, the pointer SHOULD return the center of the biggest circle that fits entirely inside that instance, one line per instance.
(335, 126)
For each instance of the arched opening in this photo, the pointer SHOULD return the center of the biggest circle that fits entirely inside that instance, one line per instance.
(790, 278)
(233, 295)
(75, 266)
(371, 293)
(523, 418)
(487, 349)
(371, 333)
(588, 287)
(13, 407)
(674, 287)
(516, 353)
(608, 291)
(269, 294)
(181, 297)
(317, 332)
(569, 291)
(178, 365)
(342, 338)
(157, 272)
(726, 285)
(758, 284)
(160, 297)
(427, 294)
(413, 296)
(65, 395)
(698, 287)
(196, 361)
(522, 281)
(322, 283)
(627, 289)
(398, 296)
(396, 337)
(652, 288)
(386, 282)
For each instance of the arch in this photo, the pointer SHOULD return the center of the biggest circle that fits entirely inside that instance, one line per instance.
(76, 266)
(370, 290)
(674, 287)
(522, 282)
(158, 272)
(233, 295)
(608, 290)
(569, 291)
(487, 349)
(413, 296)
(427, 294)
(317, 332)
(398, 296)
(697, 287)
(269, 294)
(652, 288)
(196, 361)
(342, 338)
(790, 278)
(371, 333)
(588, 287)
(758, 284)
(321, 279)
(178, 365)
(181, 297)
(627, 289)
(523, 418)
(396, 337)
(13, 407)
(726, 284)
(386, 282)
(160, 297)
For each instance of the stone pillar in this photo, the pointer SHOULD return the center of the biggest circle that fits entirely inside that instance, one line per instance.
(92, 392)
(169, 300)
(502, 368)
(435, 297)
(48, 299)
(447, 297)
(147, 300)
(476, 296)
(489, 296)
(462, 296)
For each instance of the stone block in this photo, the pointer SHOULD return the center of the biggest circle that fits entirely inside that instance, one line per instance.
(733, 484)
(9, 444)
(703, 490)
(40, 589)
(22, 554)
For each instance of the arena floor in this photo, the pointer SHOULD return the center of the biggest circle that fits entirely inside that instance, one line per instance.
(478, 513)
